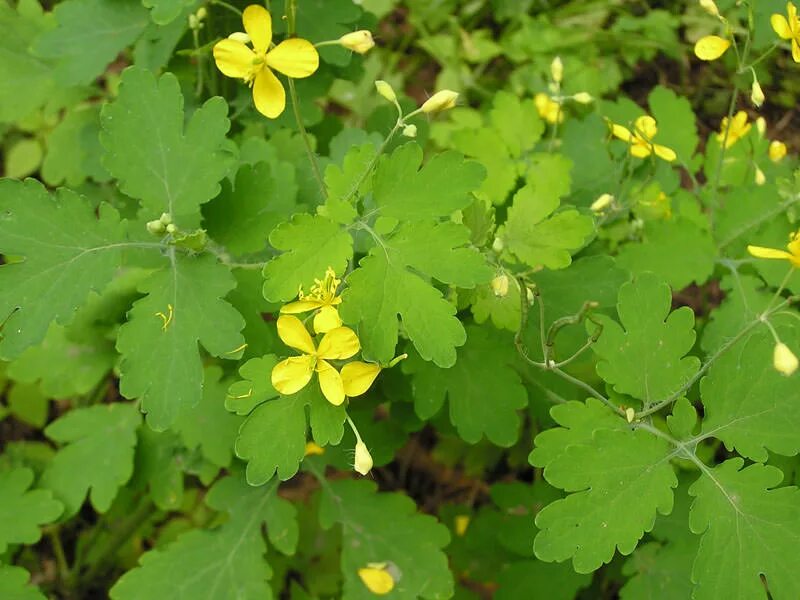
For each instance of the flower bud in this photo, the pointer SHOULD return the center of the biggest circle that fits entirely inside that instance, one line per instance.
(500, 285)
(498, 245)
(385, 90)
(410, 131)
(603, 201)
(440, 101)
(363, 459)
(777, 150)
(358, 41)
(557, 69)
(201, 13)
(171, 228)
(761, 126)
(757, 94)
(759, 177)
(784, 360)
(710, 7)
(155, 227)
(239, 36)
(583, 98)
(165, 218)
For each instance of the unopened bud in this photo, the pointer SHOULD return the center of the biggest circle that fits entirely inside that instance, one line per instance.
(410, 131)
(759, 177)
(761, 126)
(710, 7)
(529, 295)
(784, 360)
(757, 94)
(557, 69)
(777, 150)
(385, 90)
(629, 414)
(500, 285)
(358, 41)
(201, 13)
(165, 218)
(440, 101)
(602, 202)
(239, 36)
(583, 98)
(171, 228)
(498, 245)
(155, 227)
(363, 459)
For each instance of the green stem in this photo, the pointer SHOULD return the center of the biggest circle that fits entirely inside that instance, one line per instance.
(723, 144)
(224, 4)
(58, 552)
(312, 157)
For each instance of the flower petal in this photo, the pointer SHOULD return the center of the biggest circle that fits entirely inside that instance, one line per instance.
(667, 154)
(795, 50)
(711, 47)
(641, 150)
(330, 382)
(233, 58)
(339, 343)
(623, 133)
(358, 376)
(293, 374)
(294, 57)
(326, 319)
(300, 306)
(376, 579)
(258, 25)
(646, 127)
(294, 334)
(781, 26)
(761, 252)
(268, 94)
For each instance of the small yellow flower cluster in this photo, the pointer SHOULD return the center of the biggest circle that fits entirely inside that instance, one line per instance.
(640, 140)
(550, 108)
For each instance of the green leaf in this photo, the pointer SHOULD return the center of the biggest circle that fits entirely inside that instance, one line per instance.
(160, 460)
(517, 121)
(208, 426)
(386, 528)
(65, 367)
(617, 481)
(745, 297)
(488, 147)
(242, 216)
(157, 162)
(385, 287)
(326, 420)
(226, 563)
(532, 578)
(22, 511)
(73, 150)
(161, 362)
(749, 405)
(404, 191)
(645, 356)
(68, 252)
(22, 158)
(504, 310)
(254, 388)
(676, 122)
(484, 391)
(28, 404)
(749, 531)
(310, 245)
(163, 12)
(328, 20)
(96, 455)
(14, 584)
(677, 251)
(345, 182)
(273, 438)
(90, 34)
(532, 231)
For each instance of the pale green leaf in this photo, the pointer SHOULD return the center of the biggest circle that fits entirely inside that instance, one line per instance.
(516, 121)
(676, 122)
(163, 12)
(14, 585)
(23, 510)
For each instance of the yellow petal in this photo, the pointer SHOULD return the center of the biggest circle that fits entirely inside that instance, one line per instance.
(330, 382)
(358, 376)
(784, 360)
(313, 449)
(667, 154)
(268, 94)
(646, 127)
(327, 319)
(621, 132)
(711, 47)
(338, 344)
(641, 150)
(795, 50)
(233, 58)
(777, 150)
(293, 374)
(300, 306)
(294, 57)
(760, 252)
(294, 334)
(377, 579)
(258, 25)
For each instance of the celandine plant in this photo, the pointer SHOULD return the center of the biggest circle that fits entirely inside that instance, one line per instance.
(398, 299)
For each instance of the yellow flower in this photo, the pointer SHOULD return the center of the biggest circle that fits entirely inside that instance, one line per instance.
(294, 57)
(322, 298)
(641, 140)
(357, 377)
(377, 578)
(793, 255)
(548, 109)
(739, 128)
(777, 150)
(293, 374)
(440, 101)
(711, 47)
(460, 523)
(313, 449)
(784, 360)
(788, 28)
(358, 41)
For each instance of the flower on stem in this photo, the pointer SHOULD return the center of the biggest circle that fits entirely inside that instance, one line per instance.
(385, 90)
(738, 128)
(777, 151)
(641, 139)
(756, 93)
(377, 577)
(603, 202)
(583, 98)
(293, 374)
(323, 299)
(784, 360)
(788, 28)
(548, 109)
(440, 101)
(557, 69)
(358, 41)
(793, 254)
(294, 58)
(711, 47)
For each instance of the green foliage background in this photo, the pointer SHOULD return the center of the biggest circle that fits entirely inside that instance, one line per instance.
(588, 408)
